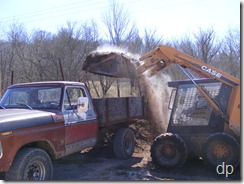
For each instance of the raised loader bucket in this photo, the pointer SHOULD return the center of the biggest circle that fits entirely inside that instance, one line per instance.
(110, 64)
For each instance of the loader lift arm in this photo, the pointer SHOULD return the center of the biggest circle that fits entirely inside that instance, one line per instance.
(163, 56)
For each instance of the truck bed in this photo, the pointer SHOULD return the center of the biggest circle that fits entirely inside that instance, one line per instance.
(112, 111)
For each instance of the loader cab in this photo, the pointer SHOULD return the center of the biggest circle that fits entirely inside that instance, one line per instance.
(191, 114)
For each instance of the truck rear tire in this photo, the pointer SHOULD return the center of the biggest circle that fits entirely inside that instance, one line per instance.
(169, 151)
(124, 143)
(31, 164)
(219, 148)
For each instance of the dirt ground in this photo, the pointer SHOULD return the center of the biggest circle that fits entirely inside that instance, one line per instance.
(102, 165)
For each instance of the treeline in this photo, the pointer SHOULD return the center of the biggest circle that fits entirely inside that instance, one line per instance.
(41, 56)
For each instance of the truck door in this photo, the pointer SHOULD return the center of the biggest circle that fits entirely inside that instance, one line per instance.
(80, 119)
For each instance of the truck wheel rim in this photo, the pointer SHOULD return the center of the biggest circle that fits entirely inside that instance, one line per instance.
(128, 144)
(168, 151)
(36, 171)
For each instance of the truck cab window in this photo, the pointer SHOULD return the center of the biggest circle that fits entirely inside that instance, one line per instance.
(77, 106)
(34, 97)
(71, 97)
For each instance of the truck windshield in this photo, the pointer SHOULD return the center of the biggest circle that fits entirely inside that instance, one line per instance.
(32, 97)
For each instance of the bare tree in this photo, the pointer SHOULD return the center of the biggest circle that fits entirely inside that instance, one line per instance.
(6, 65)
(90, 81)
(106, 83)
(2, 31)
(229, 57)
(135, 44)
(151, 40)
(186, 45)
(16, 38)
(71, 45)
(36, 65)
(36, 56)
(205, 43)
(203, 46)
(118, 23)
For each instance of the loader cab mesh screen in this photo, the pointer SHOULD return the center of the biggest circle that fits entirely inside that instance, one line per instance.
(191, 108)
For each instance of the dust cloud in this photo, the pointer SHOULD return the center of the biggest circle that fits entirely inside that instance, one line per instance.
(155, 89)
(106, 49)
(123, 51)
(157, 94)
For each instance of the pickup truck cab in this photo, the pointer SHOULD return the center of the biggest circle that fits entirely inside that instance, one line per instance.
(42, 121)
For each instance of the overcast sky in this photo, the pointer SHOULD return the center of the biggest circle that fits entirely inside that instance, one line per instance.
(171, 18)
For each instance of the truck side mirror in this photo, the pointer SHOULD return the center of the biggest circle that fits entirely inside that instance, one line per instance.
(82, 104)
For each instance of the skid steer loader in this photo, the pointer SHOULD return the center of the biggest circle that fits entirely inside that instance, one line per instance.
(205, 112)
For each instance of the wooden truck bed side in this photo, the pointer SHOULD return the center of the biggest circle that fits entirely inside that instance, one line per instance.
(112, 111)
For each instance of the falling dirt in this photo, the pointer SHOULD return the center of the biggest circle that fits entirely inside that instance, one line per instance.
(157, 95)
(116, 62)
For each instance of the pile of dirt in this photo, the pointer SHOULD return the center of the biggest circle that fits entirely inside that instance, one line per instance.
(144, 134)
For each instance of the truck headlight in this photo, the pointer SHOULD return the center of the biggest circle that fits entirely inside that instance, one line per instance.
(1, 150)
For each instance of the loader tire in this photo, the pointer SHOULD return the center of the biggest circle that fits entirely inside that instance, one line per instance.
(124, 143)
(169, 151)
(31, 164)
(219, 148)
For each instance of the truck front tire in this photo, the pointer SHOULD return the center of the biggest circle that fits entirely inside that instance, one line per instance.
(30, 164)
(124, 143)
(169, 151)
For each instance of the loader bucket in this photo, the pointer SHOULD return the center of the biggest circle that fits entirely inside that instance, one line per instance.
(110, 64)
